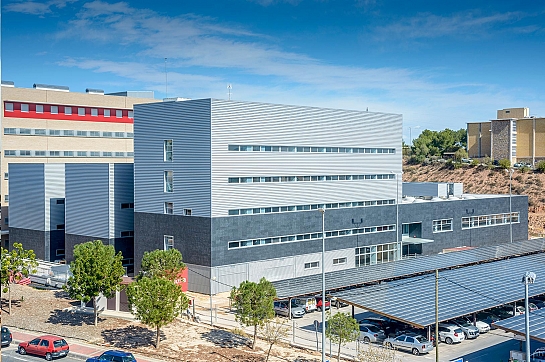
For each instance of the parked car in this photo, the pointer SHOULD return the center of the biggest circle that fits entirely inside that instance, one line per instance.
(307, 303)
(371, 333)
(337, 303)
(450, 333)
(281, 307)
(470, 331)
(483, 327)
(538, 302)
(380, 322)
(488, 318)
(6, 337)
(415, 343)
(538, 355)
(113, 356)
(48, 346)
(319, 303)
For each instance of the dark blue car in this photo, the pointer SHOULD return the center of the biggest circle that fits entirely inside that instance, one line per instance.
(114, 356)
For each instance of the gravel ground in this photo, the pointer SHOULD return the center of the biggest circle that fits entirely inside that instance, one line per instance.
(43, 311)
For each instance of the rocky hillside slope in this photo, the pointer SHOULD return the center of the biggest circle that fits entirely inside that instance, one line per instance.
(482, 180)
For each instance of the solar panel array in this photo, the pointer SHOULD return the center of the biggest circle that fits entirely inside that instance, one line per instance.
(312, 284)
(461, 291)
(517, 325)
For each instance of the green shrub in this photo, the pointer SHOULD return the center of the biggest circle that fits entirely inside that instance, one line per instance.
(540, 167)
(504, 163)
(475, 162)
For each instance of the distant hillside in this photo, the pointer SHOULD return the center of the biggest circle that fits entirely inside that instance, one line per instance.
(481, 180)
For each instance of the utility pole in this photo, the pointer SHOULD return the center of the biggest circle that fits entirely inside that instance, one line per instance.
(436, 315)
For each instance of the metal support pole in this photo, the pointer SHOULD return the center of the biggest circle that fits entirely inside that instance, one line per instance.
(510, 212)
(528, 278)
(436, 315)
(323, 284)
(399, 241)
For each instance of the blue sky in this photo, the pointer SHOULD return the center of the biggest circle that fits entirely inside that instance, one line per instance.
(440, 65)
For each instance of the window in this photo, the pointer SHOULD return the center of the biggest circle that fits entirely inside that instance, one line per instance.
(169, 180)
(39, 153)
(107, 134)
(127, 205)
(10, 130)
(94, 133)
(60, 202)
(6, 176)
(127, 234)
(169, 242)
(68, 153)
(339, 261)
(60, 227)
(39, 108)
(312, 265)
(68, 132)
(6, 198)
(81, 133)
(94, 112)
(24, 131)
(6, 221)
(24, 107)
(119, 113)
(106, 154)
(81, 111)
(68, 111)
(54, 153)
(106, 113)
(442, 225)
(9, 107)
(39, 131)
(54, 132)
(169, 208)
(44, 343)
(130, 154)
(59, 252)
(187, 212)
(131, 114)
(95, 154)
(54, 109)
(10, 153)
(120, 154)
(24, 153)
(130, 135)
(167, 150)
(120, 134)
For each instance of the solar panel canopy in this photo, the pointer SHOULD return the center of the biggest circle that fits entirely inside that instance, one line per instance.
(517, 325)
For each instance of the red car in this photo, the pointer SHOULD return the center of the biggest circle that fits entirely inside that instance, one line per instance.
(47, 346)
(319, 303)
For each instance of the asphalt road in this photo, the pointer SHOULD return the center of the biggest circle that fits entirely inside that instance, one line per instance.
(10, 354)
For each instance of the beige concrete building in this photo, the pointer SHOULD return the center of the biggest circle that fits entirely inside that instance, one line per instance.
(514, 135)
(49, 124)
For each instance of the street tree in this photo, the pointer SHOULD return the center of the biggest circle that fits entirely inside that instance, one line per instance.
(162, 263)
(16, 265)
(461, 153)
(156, 301)
(96, 269)
(341, 328)
(254, 304)
(273, 331)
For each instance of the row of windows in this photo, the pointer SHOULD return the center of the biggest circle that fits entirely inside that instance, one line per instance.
(308, 236)
(376, 254)
(246, 148)
(169, 209)
(67, 110)
(242, 180)
(66, 132)
(489, 220)
(30, 153)
(267, 210)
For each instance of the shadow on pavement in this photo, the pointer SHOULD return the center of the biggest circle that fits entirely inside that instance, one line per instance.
(225, 339)
(131, 337)
(71, 318)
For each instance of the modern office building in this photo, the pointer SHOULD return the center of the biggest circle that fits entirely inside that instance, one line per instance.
(50, 124)
(514, 135)
(237, 188)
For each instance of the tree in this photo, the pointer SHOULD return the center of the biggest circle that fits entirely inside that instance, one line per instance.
(458, 155)
(96, 270)
(377, 354)
(273, 331)
(156, 302)
(16, 265)
(504, 163)
(341, 328)
(162, 263)
(254, 303)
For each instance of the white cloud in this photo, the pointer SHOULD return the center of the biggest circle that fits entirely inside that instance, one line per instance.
(36, 8)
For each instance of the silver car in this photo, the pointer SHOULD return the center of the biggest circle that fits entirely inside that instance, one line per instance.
(371, 333)
(417, 344)
(281, 308)
(470, 331)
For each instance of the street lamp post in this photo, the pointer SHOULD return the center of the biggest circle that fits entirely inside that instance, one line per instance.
(510, 211)
(528, 278)
(323, 283)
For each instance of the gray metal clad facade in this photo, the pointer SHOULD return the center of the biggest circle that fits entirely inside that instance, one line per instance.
(54, 190)
(248, 123)
(27, 196)
(88, 200)
(123, 187)
(461, 291)
(187, 123)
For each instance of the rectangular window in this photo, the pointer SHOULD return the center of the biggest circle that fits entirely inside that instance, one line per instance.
(6, 198)
(10, 153)
(312, 265)
(131, 114)
(68, 132)
(127, 234)
(54, 153)
(6, 221)
(24, 153)
(54, 132)
(10, 130)
(9, 107)
(119, 113)
(120, 154)
(119, 134)
(39, 131)
(167, 150)
(106, 113)
(24, 130)
(60, 227)
(39, 153)
(94, 112)
(168, 181)
(68, 111)
(81, 133)
(24, 107)
(130, 135)
(107, 134)
(187, 212)
(127, 205)
(339, 261)
(59, 252)
(68, 153)
(6, 175)
(82, 153)
(442, 225)
(169, 208)
(106, 154)
(94, 133)
(130, 154)
(54, 110)
(169, 242)
(60, 202)
(95, 154)
(81, 111)
(39, 108)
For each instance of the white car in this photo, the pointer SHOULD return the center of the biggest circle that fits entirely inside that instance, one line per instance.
(482, 326)
(450, 333)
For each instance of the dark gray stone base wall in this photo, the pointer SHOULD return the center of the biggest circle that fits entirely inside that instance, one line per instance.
(191, 236)
(31, 239)
(72, 240)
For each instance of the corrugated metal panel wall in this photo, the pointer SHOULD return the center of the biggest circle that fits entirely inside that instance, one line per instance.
(54, 190)
(246, 123)
(124, 193)
(188, 125)
(27, 196)
(87, 199)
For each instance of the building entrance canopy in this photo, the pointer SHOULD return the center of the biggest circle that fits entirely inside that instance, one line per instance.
(462, 291)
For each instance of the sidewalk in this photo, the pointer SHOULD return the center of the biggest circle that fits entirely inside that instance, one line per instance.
(78, 349)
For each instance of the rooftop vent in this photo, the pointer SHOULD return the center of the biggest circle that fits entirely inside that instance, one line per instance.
(94, 91)
(8, 83)
(60, 88)
(176, 99)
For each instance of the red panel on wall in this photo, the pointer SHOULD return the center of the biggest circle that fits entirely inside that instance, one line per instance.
(182, 280)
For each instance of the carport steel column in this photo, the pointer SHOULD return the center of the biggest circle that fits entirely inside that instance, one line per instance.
(323, 283)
